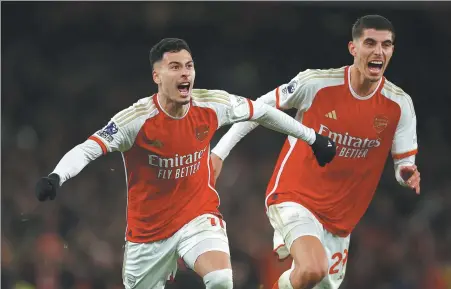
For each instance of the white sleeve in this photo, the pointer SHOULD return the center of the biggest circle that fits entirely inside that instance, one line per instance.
(76, 159)
(120, 133)
(399, 163)
(240, 130)
(405, 139)
(234, 109)
(279, 121)
(114, 137)
(298, 93)
(232, 137)
(242, 109)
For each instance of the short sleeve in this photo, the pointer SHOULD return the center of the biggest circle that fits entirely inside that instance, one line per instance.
(299, 92)
(405, 139)
(120, 132)
(229, 108)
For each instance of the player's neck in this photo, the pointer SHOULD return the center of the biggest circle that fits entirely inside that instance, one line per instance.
(361, 85)
(172, 108)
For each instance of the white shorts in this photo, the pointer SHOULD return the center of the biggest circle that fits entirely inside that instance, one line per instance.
(150, 265)
(290, 221)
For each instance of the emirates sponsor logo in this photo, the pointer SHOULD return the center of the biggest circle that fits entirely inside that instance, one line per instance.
(178, 166)
(349, 146)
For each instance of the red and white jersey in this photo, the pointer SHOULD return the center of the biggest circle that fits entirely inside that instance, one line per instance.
(365, 130)
(167, 162)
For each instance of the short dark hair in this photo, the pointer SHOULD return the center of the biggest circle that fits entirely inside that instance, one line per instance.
(372, 22)
(166, 45)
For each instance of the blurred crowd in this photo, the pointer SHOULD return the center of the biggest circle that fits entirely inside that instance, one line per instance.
(67, 67)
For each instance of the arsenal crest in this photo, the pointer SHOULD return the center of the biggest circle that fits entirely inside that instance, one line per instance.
(380, 123)
(202, 132)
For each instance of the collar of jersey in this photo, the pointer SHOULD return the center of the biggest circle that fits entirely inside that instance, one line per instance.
(355, 93)
(157, 102)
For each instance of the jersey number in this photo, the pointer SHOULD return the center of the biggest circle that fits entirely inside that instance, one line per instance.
(339, 259)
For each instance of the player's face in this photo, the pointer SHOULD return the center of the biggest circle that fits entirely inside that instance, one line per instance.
(175, 75)
(372, 53)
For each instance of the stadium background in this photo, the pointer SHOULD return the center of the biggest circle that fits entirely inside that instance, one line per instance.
(67, 67)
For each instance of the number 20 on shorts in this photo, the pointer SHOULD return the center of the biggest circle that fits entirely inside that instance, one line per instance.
(339, 258)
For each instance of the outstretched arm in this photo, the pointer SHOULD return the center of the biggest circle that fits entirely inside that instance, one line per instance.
(298, 93)
(277, 120)
(241, 129)
(323, 147)
(76, 159)
(118, 135)
(241, 109)
(68, 167)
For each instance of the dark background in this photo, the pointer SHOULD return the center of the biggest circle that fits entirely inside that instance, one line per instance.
(68, 67)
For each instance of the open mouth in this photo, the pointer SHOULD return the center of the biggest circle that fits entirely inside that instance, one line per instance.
(184, 88)
(375, 66)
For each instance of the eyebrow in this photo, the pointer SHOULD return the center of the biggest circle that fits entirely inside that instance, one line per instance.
(177, 62)
(374, 40)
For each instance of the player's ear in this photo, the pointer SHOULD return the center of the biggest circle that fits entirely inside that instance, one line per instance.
(156, 76)
(352, 48)
(156, 69)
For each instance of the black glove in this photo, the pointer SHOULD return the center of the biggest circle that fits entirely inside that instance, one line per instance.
(47, 186)
(324, 149)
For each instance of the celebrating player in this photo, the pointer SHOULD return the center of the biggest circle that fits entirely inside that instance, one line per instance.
(313, 209)
(172, 205)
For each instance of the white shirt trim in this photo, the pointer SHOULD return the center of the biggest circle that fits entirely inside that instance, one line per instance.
(354, 93)
(173, 117)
